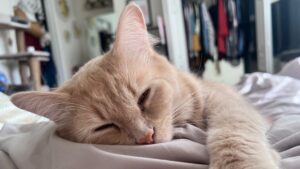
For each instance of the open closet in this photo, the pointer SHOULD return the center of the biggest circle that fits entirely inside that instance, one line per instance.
(219, 30)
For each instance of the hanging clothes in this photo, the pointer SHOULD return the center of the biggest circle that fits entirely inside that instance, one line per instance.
(193, 33)
(197, 46)
(209, 32)
(232, 39)
(241, 36)
(189, 24)
(247, 28)
(223, 31)
(200, 33)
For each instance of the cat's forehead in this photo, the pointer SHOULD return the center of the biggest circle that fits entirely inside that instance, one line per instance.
(125, 71)
(111, 76)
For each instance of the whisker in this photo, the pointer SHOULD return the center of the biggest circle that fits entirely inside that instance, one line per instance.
(189, 97)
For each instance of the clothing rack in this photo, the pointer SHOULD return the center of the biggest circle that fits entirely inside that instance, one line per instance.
(225, 30)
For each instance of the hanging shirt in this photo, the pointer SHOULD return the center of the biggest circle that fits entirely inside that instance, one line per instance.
(232, 39)
(189, 19)
(212, 51)
(196, 37)
(222, 28)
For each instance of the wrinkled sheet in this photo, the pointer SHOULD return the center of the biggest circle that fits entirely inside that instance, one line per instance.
(291, 69)
(10, 113)
(35, 146)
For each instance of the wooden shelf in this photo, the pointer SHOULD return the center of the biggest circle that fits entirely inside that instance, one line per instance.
(42, 56)
(6, 22)
(26, 59)
(7, 26)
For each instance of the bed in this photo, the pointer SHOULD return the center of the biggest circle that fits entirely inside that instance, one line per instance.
(34, 145)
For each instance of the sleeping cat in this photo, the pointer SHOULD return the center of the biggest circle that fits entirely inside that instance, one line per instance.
(132, 95)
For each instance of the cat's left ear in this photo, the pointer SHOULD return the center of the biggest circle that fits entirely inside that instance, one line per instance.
(132, 38)
(47, 104)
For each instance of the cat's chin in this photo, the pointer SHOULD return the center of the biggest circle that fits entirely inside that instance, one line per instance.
(163, 140)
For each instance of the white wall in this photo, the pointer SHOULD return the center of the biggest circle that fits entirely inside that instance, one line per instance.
(92, 30)
(66, 54)
(90, 39)
(174, 23)
(229, 74)
(77, 50)
(156, 10)
(92, 42)
(8, 68)
(264, 39)
(114, 17)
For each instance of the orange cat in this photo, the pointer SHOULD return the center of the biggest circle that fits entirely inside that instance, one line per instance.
(132, 95)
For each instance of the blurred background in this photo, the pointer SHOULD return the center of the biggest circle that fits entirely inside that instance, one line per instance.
(44, 42)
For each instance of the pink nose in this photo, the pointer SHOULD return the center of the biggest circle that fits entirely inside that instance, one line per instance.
(147, 138)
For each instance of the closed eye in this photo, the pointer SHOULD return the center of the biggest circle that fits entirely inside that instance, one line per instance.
(143, 98)
(105, 127)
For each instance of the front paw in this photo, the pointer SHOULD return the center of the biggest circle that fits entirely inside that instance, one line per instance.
(244, 165)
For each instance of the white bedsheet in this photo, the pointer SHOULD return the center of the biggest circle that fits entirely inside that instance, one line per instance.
(36, 145)
(11, 114)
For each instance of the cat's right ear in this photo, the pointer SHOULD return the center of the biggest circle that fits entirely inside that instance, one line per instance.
(47, 104)
(132, 39)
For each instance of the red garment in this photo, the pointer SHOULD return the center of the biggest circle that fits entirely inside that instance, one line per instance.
(223, 31)
(30, 40)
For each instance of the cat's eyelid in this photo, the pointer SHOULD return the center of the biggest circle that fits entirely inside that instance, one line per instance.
(143, 98)
(105, 127)
(98, 113)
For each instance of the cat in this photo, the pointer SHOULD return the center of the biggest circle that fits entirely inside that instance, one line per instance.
(133, 95)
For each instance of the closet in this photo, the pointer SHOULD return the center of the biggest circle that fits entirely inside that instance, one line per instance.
(220, 30)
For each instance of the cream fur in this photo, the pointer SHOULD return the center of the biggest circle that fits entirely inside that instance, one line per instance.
(107, 89)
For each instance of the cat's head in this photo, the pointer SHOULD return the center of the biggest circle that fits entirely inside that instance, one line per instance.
(123, 97)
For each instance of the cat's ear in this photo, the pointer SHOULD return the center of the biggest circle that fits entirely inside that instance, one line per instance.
(132, 38)
(47, 104)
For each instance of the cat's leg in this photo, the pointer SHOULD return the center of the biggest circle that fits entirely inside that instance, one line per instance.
(232, 148)
(236, 136)
(275, 155)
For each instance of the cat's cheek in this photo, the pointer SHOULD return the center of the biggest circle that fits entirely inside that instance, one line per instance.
(164, 133)
(128, 141)
(125, 139)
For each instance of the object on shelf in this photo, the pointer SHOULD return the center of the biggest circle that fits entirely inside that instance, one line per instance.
(12, 89)
(3, 82)
(44, 56)
(31, 60)
(13, 22)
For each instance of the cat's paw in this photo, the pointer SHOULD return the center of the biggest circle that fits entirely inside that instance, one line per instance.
(275, 155)
(245, 165)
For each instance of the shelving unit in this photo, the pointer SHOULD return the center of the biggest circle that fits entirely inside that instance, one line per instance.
(7, 22)
(25, 59)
